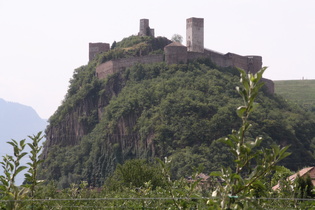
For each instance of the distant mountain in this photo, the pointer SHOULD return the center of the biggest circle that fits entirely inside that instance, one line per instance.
(17, 121)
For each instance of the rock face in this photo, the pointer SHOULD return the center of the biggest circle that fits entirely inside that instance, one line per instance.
(117, 143)
(82, 118)
(74, 124)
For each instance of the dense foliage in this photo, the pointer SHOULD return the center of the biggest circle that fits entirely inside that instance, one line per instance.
(159, 110)
(139, 183)
(251, 165)
(135, 46)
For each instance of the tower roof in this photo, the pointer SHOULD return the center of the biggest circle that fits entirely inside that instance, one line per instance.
(175, 44)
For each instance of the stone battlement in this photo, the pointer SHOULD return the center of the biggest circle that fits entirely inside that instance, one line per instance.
(176, 53)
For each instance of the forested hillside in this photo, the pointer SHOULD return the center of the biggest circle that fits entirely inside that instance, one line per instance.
(157, 110)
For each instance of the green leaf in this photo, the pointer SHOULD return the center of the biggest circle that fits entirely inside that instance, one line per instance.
(19, 169)
(216, 173)
(241, 110)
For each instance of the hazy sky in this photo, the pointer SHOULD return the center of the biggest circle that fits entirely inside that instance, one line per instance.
(42, 42)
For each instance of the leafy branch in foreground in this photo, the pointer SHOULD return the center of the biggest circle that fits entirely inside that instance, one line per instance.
(31, 176)
(251, 164)
(11, 168)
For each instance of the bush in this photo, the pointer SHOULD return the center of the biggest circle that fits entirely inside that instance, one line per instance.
(135, 173)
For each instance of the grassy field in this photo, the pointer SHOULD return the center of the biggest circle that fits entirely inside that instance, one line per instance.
(297, 91)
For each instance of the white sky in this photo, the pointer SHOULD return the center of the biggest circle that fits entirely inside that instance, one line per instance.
(42, 42)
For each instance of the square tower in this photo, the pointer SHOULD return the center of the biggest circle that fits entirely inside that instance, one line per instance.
(145, 29)
(144, 25)
(97, 48)
(194, 34)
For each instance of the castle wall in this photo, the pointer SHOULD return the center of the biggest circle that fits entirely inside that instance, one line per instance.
(238, 61)
(105, 69)
(114, 66)
(175, 53)
(96, 48)
(269, 84)
(254, 63)
(249, 63)
(194, 55)
(219, 59)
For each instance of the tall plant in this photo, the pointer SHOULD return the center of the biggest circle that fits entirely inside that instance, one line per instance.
(31, 176)
(11, 168)
(251, 163)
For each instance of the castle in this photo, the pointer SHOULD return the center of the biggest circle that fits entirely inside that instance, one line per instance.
(176, 53)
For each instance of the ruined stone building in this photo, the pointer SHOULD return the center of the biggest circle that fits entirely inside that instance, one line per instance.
(176, 53)
(97, 48)
(145, 29)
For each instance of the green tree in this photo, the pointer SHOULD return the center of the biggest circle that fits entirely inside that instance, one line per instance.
(135, 173)
(251, 164)
(303, 187)
(177, 38)
(113, 45)
(280, 175)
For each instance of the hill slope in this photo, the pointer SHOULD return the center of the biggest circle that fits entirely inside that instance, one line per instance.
(301, 92)
(158, 110)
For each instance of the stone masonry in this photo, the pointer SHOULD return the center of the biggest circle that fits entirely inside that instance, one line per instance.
(176, 53)
(97, 48)
(194, 34)
(114, 66)
(145, 29)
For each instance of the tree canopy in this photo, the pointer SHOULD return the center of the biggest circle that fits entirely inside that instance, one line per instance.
(159, 110)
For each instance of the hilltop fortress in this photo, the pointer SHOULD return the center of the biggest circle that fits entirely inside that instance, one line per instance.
(176, 53)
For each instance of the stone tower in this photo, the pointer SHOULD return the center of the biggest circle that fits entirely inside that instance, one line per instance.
(145, 29)
(175, 53)
(97, 48)
(194, 34)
